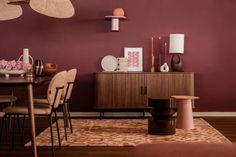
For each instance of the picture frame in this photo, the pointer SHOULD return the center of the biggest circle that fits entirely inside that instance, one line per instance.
(135, 58)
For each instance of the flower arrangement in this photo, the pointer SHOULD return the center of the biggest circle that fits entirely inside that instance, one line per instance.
(14, 65)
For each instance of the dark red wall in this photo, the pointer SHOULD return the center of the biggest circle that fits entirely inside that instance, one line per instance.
(81, 42)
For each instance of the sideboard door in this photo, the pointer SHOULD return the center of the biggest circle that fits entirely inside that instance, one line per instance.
(181, 84)
(129, 90)
(104, 90)
(165, 85)
(158, 85)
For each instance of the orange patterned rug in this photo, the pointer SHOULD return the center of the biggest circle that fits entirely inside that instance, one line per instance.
(126, 132)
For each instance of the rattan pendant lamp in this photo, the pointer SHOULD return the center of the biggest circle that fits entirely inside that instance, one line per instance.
(8, 12)
(10, 9)
(53, 8)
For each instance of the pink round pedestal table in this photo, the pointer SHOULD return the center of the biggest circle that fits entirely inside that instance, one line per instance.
(184, 111)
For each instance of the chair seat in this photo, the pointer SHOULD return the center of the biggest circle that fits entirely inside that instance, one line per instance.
(41, 101)
(39, 109)
(7, 98)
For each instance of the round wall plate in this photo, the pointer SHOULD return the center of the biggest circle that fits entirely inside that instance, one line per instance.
(109, 63)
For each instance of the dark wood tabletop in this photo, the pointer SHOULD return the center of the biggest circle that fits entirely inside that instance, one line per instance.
(17, 80)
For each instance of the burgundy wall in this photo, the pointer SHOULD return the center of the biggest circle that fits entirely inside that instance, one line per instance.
(81, 42)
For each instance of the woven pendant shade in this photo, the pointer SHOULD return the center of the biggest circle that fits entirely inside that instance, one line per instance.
(18, 2)
(8, 11)
(53, 8)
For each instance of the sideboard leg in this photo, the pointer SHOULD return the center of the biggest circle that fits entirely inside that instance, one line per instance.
(143, 113)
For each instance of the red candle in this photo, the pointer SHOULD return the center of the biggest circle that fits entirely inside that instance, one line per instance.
(158, 46)
(165, 53)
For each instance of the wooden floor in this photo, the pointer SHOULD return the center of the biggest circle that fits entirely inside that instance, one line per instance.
(226, 125)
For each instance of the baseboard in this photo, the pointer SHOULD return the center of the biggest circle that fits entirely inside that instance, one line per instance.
(147, 114)
(140, 114)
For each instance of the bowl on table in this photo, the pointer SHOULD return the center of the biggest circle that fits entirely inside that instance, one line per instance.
(50, 69)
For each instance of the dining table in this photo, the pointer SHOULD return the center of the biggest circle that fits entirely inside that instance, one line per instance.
(28, 83)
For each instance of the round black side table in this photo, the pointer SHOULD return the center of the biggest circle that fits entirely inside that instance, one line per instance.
(162, 121)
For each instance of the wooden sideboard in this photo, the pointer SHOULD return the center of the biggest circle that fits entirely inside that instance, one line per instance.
(131, 90)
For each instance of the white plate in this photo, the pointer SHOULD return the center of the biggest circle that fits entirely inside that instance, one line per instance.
(109, 63)
(11, 72)
(2, 71)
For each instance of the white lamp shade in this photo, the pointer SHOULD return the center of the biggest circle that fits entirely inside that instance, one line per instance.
(176, 43)
(8, 11)
(53, 8)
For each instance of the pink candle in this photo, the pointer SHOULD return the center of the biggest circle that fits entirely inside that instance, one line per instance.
(165, 52)
(152, 49)
(158, 46)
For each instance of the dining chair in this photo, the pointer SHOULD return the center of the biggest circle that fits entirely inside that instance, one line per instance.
(70, 78)
(54, 93)
(8, 100)
(66, 94)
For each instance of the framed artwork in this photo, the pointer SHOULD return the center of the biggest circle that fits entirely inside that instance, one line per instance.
(135, 58)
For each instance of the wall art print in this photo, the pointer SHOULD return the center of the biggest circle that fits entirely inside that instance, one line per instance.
(135, 58)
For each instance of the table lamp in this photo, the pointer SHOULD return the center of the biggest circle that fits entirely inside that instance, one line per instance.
(176, 48)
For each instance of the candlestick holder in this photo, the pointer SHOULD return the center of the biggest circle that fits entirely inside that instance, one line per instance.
(152, 64)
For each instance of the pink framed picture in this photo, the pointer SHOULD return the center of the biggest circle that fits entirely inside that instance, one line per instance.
(135, 58)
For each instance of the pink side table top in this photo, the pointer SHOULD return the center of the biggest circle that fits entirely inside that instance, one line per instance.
(184, 97)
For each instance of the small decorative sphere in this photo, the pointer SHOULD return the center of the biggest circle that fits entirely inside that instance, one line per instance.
(118, 12)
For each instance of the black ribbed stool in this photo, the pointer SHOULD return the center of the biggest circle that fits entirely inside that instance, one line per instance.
(162, 121)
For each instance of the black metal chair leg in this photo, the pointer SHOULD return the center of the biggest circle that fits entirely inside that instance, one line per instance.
(23, 126)
(143, 113)
(13, 132)
(3, 121)
(51, 131)
(18, 123)
(68, 109)
(64, 117)
(58, 132)
(7, 124)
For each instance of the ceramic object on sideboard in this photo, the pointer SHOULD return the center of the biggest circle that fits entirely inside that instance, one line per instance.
(38, 67)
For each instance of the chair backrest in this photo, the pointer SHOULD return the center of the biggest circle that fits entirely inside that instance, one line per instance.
(70, 79)
(55, 88)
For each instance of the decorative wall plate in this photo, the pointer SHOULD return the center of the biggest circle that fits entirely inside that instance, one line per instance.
(109, 63)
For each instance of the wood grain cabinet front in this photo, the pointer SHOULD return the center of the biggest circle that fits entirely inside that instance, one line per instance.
(120, 90)
(131, 90)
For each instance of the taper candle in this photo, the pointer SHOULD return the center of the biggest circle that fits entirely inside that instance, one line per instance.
(158, 47)
(152, 49)
(165, 53)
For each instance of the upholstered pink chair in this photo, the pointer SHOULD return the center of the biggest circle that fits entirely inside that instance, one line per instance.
(54, 94)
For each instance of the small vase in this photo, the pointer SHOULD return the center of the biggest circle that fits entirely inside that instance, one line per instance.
(38, 67)
(164, 68)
